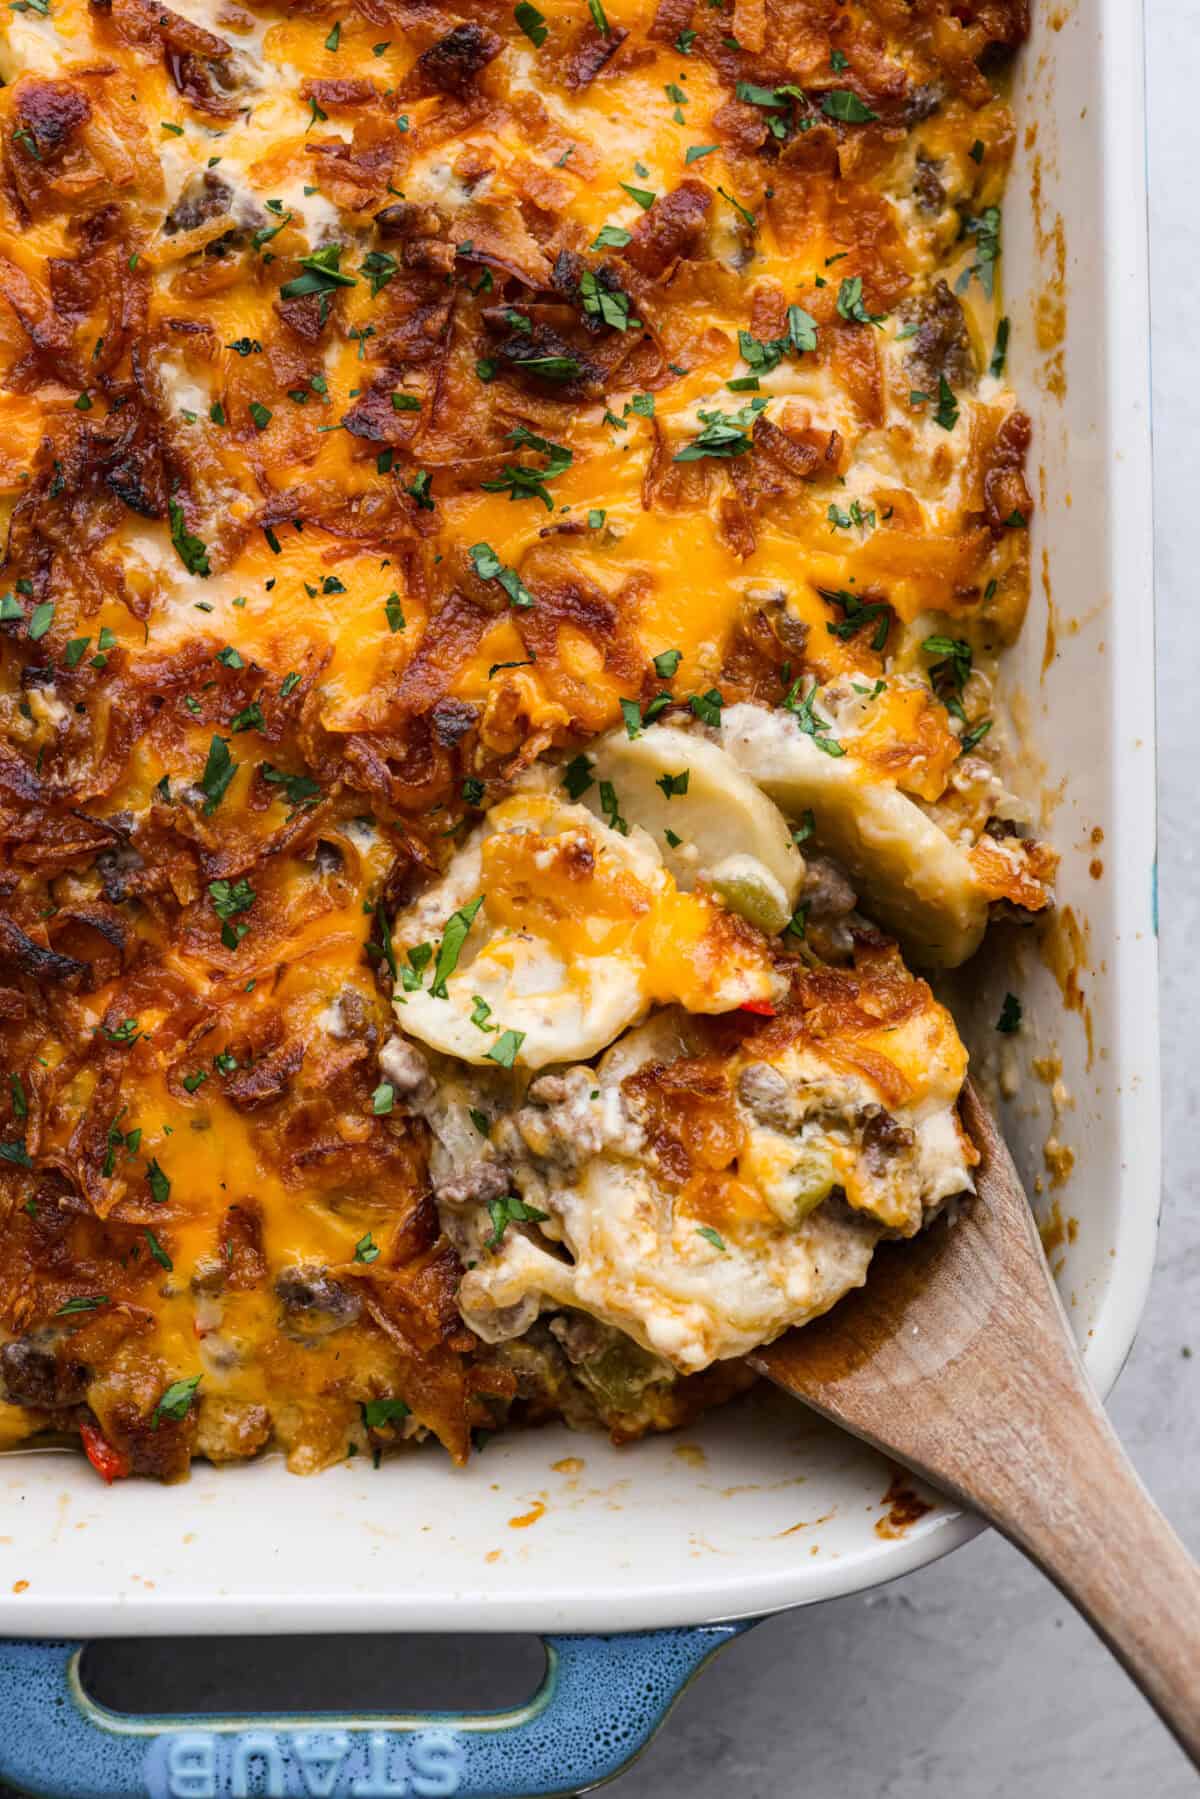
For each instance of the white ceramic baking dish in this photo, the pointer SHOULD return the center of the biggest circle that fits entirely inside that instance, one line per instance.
(763, 1508)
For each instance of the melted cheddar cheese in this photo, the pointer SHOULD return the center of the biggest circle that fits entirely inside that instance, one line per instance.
(395, 406)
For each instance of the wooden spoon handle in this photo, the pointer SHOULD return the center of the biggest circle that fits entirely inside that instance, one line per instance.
(1071, 1499)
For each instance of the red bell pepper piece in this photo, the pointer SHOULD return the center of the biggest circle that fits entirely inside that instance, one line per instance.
(108, 1462)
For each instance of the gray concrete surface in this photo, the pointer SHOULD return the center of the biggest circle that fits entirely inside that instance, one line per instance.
(973, 1679)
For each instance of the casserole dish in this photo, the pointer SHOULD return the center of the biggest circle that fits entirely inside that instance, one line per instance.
(560, 1534)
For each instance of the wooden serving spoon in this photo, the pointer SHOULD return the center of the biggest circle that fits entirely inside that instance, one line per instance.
(957, 1360)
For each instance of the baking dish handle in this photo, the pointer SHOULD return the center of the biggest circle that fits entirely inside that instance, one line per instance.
(599, 1704)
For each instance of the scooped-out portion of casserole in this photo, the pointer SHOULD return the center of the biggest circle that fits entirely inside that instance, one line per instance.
(511, 515)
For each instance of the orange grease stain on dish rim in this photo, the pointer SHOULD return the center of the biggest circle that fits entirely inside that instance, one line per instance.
(906, 1508)
(807, 1524)
(537, 1510)
(20, 1586)
(570, 1464)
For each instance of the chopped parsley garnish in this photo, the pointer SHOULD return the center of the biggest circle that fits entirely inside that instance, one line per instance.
(764, 355)
(845, 106)
(322, 274)
(382, 1099)
(809, 723)
(16, 1153)
(806, 827)
(40, 620)
(856, 615)
(986, 231)
(191, 551)
(219, 771)
(176, 1402)
(950, 675)
(418, 959)
(552, 368)
(612, 237)
(707, 706)
(84, 1303)
(1000, 352)
(156, 1249)
(160, 1185)
(250, 718)
(379, 268)
(666, 663)
(228, 899)
(489, 567)
(505, 1049)
(300, 790)
(946, 414)
(123, 1035)
(844, 521)
(453, 937)
(744, 211)
(599, 301)
(610, 806)
(1010, 1015)
(506, 1211)
(598, 17)
(418, 489)
(480, 1013)
(366, 1249)
(631, 712)
(724, 433)
(797, 924)
(975, 736)
(577, 776)
(696, 151)
(642, 195)
(711, 1236)
(850, 303)
(674, 784)
(260, 414)
(522, 481)
(531, 22)
(378, 1412)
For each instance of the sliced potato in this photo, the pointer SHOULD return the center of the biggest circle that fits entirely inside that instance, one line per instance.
(551, 932)
(723, 829)
(910, 876)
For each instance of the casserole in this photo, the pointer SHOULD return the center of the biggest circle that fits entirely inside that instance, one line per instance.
(657, 1536)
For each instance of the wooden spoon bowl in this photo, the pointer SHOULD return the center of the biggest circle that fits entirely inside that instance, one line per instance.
(957, 1360)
